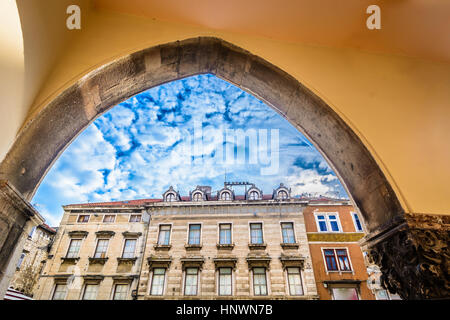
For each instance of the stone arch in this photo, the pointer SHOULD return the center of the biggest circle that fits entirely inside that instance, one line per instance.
(44, 138)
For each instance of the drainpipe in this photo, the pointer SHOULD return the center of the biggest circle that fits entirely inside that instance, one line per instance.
(135, 296)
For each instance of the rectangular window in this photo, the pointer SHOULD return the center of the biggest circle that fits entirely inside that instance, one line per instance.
(90, 292)
(358, 225)
(120, 292)
(74, 248)
(259, 282)
(225, 282)
(287, 230)
(225, 233)
(157, 288)
(295, 281)
(194, 234)
(60, 292)
(191, 282)
(83, 218)
(164, 235)
(135, 218)
(22, 256)
(129, 248)
(337, 260)
(102, 247)
(256, 234)
(328, 222)
(345, 294)
(109, 218)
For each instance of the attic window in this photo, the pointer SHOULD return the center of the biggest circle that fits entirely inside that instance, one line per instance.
(254, 195)
(197, 196)
(282, 195)
(225, 196)
(170, 197)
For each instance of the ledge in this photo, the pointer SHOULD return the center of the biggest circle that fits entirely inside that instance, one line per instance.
(228, 246)
(225, 262)
(292, 261)
(187, 262)
(98, 260)
(128, 234)
(155, 261)
(193, 246)
(126, 260)
(73, 260)
(257, 246)
(78, 233)
(162, 247)
(105, 233)
(290, 245)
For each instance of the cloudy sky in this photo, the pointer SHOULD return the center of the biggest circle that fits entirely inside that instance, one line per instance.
(185, 133)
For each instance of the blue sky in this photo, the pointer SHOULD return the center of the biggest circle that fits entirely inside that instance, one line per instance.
(173, 135)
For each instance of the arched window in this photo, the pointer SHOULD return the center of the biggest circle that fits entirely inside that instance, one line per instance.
(170, 197)
(282, 195)
(253, 195)
(225, 195)
(197, 196)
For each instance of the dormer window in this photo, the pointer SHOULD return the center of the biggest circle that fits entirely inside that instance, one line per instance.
(253, 195)
(197, 196)
(225, 196)
(282, 195)
(170, 197)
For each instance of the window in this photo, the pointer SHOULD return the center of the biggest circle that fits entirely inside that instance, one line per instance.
(135, 218)
(32, 232)
(197, 196)
(345, 294)
(74, 248)
(120, 292)
(225, 282)
(225, 196)
(170, 197)
(328, 222)
(256, 234)
(90, 292)
(191, 282)
(225, 233)
(129, 248)
(358, 225)
(22, 256)
(102, 247)
(337, 260)
(253, 195)
(83, 218)
(259, 282)
(194, 234)
(295, 281)
(287, 230)
(60, 292)
(164, 235)
(282, 195)
(109, 218)
(157, 288)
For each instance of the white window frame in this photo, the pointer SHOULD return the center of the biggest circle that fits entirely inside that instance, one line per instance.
(198, 293)
(84, 214)
(68, 247)
(195, 193)
(218, 230)
(353, 213)
(106, 215)
(135, 214)
(164, 283)
(352, 271)
(250, 232)
(188, 231)
(123, 247)
(170, 233)
(252, 283)
(96, 245)
(218, 282)
(349, 287)
(288, 288)
(293, 230)
(327, 221)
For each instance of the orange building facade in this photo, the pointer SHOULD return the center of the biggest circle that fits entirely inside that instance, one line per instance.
(333, 232)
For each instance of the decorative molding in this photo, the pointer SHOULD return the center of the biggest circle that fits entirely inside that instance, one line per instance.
(126, 260)
(290, 245)
(193, 246)
(413, 256)
(105, 234)
(335, 237)
(225, 262)
(192, 262)
(78, 233)
(258, 261)
(292, 261)
(128, 234)
(97, 260)
(222, 246)
(70, 260)
(257, 246)
(157, 261)
(162, 247)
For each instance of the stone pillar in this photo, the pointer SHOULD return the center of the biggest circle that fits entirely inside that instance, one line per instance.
(17, 218)
(413, 255)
